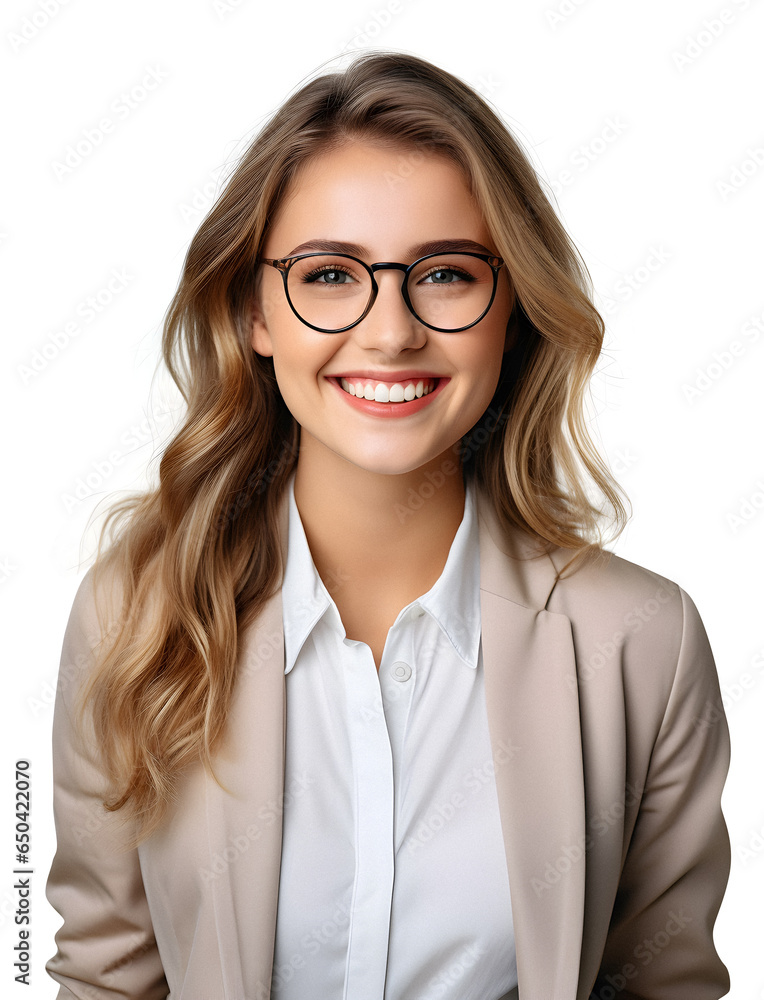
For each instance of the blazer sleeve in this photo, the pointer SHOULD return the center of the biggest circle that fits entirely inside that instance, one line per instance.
(106, 946)
(660, 943)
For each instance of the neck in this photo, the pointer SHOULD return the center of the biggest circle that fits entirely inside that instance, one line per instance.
(390, 532)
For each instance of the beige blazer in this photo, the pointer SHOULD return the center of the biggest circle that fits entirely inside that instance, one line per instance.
(611, 749)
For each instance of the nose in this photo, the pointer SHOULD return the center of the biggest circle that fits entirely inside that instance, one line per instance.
(390, 326)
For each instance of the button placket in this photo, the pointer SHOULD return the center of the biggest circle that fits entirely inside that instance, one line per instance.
(397, 681)
(375, 803)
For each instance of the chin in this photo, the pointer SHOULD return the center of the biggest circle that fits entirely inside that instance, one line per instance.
(387, 464)
(393, 467)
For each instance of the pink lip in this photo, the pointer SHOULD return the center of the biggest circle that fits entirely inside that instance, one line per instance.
(387, 376)
(376, 409)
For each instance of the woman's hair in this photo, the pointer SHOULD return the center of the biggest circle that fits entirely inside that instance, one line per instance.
(201, 551)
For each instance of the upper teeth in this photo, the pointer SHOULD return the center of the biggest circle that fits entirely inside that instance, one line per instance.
(382, 393)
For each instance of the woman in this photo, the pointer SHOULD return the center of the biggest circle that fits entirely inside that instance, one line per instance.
(356, 703)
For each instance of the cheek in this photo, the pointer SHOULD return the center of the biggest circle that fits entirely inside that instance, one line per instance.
(485, 369)
(293, 390)
(486, 354)
(297, 360)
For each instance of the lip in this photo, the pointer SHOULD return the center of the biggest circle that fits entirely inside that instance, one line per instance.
(385, 376)
(375, 409)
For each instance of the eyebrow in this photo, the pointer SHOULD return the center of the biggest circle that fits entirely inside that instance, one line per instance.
(415, 251)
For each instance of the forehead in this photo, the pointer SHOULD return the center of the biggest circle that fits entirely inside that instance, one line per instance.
(377, 196)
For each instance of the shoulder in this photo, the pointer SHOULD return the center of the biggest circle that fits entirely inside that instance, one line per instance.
(97, 604)
(611, 594)
(605, 596)
(94, 618)
(612, 588)
(633, 628)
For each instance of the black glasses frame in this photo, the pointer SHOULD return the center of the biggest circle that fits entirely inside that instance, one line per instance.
(284, 265)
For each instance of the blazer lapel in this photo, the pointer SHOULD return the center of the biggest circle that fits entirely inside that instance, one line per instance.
(533, 718)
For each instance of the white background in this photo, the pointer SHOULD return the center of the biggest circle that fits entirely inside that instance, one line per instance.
(678, 183)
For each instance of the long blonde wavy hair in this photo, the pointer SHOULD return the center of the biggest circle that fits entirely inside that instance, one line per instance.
(202, 551)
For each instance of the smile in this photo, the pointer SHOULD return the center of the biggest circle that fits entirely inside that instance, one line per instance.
(398, 392)
(386, 399)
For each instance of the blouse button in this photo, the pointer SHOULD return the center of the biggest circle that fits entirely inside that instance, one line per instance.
(401, 671)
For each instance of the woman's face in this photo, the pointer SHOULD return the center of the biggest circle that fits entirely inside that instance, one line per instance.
(389, 203)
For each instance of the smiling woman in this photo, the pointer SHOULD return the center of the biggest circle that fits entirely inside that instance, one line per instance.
(346, 445)
(359, 701)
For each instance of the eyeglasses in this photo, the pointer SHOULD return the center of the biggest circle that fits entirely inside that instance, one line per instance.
(447, 292)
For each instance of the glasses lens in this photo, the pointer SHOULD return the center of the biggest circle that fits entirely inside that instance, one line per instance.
(451, 291)
(329, 291)
(448, 291)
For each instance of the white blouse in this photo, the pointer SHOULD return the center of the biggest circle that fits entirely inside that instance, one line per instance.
(393, 880)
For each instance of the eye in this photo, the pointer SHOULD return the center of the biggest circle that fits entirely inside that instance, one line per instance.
(328, 276)
(446, 276)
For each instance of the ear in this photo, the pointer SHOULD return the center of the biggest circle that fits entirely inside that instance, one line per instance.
(260, 338)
